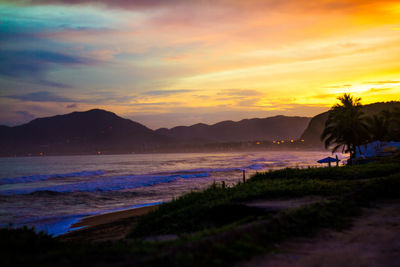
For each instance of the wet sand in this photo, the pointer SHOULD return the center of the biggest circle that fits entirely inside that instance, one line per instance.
(106, 227)
(113, 216)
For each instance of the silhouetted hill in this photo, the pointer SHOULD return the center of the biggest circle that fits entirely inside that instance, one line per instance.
(102, 131)
(79, 132)
(4, 131)
(278, 127)
(316, 126)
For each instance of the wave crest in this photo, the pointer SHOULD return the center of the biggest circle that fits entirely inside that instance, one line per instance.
(103, 184)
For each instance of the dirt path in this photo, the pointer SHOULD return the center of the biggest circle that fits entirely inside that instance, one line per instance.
(373, 240)
(275, 205)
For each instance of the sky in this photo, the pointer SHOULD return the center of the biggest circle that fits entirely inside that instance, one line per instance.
(180, 62)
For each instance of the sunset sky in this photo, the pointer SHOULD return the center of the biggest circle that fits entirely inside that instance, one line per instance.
(179, 62)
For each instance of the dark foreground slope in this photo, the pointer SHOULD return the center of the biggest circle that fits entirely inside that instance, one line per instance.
(312, 133)
(220, 227)
(78, 132)
(272, 128)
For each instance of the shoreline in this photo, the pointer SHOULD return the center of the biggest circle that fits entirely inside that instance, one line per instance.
(108, 217)
(107, 226)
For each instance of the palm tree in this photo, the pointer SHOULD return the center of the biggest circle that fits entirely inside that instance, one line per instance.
(379, 126)
(394, 125)
(345, 126)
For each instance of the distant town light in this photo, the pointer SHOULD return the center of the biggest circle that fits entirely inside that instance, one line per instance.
(291, 141)
(302, 140)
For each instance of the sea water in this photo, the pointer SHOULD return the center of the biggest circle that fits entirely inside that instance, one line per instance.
(52, 193)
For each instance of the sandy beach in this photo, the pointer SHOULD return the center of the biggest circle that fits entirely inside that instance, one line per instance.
(106, 227)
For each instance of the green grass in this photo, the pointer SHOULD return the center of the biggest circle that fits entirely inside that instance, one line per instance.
(197, 211)
(233, 246)
(366, 171)
(201, 210)
(225, 249)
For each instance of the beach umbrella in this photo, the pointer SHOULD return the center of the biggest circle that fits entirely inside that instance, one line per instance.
(328, 159)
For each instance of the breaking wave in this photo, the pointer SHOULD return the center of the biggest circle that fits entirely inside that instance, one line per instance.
(103, 184)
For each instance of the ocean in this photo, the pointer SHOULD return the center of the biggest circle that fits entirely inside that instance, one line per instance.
(52, 193)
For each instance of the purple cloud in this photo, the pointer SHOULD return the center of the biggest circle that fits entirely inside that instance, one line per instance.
(42, 96)
(133, 4)
(33, 65)
(72, 106)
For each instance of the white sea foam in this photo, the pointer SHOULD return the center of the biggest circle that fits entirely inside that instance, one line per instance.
(103, 184)
(58, 225)
(257, 166)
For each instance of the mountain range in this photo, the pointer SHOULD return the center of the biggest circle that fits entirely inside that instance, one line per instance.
(100, 131)
(278, 127)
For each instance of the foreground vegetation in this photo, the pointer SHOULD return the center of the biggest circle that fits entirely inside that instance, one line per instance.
(221, 205)
(215, 227)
